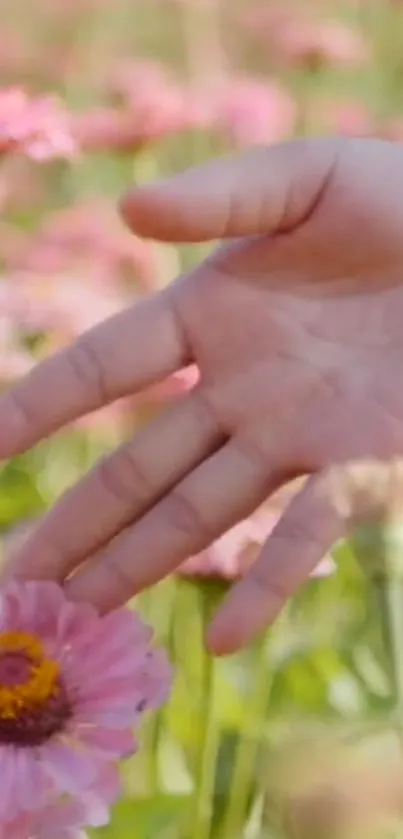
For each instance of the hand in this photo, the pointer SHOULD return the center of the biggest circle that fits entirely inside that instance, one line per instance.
(296, 324)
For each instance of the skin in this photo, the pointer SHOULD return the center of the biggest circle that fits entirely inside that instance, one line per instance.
(296, 324)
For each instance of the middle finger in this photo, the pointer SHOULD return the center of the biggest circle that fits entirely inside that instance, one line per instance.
(119, 489)
(225, 488)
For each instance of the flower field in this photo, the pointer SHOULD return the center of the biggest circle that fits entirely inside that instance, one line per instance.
(301, 734)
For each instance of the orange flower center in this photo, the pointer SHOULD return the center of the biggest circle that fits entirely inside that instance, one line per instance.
(33, 701)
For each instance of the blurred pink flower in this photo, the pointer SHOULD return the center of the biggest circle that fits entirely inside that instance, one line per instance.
(36, 127)
(158, 103)
(60, 306)
(72, 686)
(295, 39)
(229, 557)
(128, 129)
(347, 117)
(89, 239)
(251, 111)
(109, 129)
(325, 43)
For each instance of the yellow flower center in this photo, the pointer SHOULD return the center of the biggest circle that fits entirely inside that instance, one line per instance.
(28, 678)
(34, 702)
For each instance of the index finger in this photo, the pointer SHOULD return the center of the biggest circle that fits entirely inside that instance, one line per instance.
(124, 354)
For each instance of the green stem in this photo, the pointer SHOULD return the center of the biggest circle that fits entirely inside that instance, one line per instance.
(157, 609)
(394, 594)
(248, 749)
(210, 743)
(379, 551)
(394, 614)
(150, 749)
(210, 739)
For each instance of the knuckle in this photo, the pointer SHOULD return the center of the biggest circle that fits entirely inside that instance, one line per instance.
(276, 577)
(203, 408)
(124, 478)
(24, 407)
(295, 529)
(88, 370)
(179, 322)
(120, 576)
(186, 519)
(266, 581)
(333, 385)
(255, 455)
(55, 553)
(208, 413)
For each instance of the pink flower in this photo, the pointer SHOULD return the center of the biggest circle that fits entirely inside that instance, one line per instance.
(89, 239)
(63, 304)
(38, 127)
(251, 111)
(297, 40)
(72, 686)
(348, 117)
(108, 129)
(229, 557)
(157, 103)
(324, 43)
(64, 821)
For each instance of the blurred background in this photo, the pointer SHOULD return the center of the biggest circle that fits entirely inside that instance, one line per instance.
(301, 735)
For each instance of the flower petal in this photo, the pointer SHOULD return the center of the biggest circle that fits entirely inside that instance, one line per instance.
(9, 784)
(73, 769)
(33, 786)
(112, 744)
(98, 799)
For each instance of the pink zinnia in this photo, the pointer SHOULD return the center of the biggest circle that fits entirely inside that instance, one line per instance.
(72, 686)
(252, 111)
(63, 821)
(38, 127)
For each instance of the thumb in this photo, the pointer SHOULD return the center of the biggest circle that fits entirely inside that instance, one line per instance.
(264, 190)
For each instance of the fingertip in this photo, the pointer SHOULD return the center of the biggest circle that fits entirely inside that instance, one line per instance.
(165, 215)
(136, 209)
(212, 642)
(15, 432)
(155, 211)
(222, 638)
(89, 584)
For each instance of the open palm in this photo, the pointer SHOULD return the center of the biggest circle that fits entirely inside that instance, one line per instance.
(296, 325)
